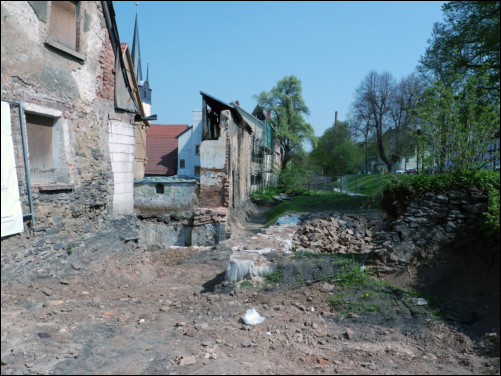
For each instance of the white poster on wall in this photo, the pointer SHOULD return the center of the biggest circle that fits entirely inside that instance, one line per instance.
(12, 215)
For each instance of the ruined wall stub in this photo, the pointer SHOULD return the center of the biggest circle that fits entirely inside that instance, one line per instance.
(213, 167)
(77, 89)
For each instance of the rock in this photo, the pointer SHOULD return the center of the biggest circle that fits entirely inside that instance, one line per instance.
(188, 361)
(314, 326)
(53, 303)
(77, 265)
(429, 356)
(164, 309)
(419, 301)
(178, 324)
(64, 282)
(348, 334)
(246, 344)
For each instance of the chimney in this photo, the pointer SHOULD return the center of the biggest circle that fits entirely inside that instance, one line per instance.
(237, 103)
(335, 118)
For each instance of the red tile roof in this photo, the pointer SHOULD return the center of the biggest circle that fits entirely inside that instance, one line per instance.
(162, 148)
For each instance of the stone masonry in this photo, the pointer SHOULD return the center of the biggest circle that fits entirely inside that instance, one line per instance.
(77, 213)
(428, 226)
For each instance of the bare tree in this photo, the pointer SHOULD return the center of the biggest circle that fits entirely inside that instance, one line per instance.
(375, 92)
(362, 124)
(403, 114)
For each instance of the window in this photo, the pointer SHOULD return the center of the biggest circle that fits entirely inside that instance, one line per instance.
(407, 160)
(197, 170)
(63, 23)
(160, 189)
(182, 163)
(46, 159)
(197, 149)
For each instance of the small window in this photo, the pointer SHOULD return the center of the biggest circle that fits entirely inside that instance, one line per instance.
(182, 163)
(406, 160)
(63, 23)
(197, 170)
(160, 189)
(41, 147)
(197, 149)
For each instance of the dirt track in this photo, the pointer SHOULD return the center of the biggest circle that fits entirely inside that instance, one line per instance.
(158, 313)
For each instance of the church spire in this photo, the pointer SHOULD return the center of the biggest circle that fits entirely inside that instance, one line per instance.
(136, 54)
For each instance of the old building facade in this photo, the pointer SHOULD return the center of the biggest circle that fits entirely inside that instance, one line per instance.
(65, 79)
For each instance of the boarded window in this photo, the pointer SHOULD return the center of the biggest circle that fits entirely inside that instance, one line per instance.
(160, 189)
(63, 23)
(197, 170)
(182, 163)
(40, 146)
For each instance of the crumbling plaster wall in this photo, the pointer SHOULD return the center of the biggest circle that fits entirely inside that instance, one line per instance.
(78, 214)
(240, 163)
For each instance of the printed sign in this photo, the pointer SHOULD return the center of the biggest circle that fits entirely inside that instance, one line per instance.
(12, 215)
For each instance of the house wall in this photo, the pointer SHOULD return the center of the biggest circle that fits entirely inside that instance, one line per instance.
(140, 155)
(187, 147)
(78, 210)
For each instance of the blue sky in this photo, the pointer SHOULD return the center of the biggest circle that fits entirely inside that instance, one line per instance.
(233, 50)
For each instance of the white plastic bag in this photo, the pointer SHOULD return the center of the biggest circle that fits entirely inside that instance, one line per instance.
(251, 317)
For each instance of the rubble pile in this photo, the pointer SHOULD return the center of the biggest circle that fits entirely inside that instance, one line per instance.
(336, 234)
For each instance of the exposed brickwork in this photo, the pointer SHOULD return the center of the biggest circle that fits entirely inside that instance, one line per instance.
(107, 76)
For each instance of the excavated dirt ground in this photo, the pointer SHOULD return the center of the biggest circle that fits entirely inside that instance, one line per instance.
(167, 313)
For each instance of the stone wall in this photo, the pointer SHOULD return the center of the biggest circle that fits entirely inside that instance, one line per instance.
(179, 197)
(74, 214)
(428, 226)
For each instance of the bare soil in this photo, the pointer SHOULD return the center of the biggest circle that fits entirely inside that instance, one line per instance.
(169, 312)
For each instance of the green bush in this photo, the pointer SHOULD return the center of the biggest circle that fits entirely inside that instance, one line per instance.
(417, 185)
(491, 224)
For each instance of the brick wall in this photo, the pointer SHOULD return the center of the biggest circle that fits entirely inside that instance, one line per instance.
(122, 141)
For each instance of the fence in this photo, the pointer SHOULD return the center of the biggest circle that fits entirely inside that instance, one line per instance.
(355, 184)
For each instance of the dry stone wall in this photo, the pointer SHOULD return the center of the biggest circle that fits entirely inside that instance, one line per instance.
(429, 226)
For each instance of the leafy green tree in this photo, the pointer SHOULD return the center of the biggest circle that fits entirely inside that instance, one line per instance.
(288, 109)
(337, 141)
(458, 121)
(464, 43)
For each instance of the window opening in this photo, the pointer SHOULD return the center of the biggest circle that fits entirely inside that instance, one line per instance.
(197, 170)
(160, 189)
(40, 145)
(63, 23)
(182, 163)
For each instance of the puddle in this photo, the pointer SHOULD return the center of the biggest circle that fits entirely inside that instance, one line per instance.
(289, 219)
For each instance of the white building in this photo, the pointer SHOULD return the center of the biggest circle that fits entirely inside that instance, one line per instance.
(189, 148)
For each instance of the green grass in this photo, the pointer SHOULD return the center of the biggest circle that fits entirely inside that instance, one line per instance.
(323, 201)
(247, 284)
(274, 277)
(359, 292)
(370, 183)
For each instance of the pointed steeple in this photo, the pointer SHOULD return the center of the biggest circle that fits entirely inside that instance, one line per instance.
(136, 54)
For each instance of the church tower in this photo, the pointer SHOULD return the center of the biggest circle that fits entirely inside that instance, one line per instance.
(144, 85)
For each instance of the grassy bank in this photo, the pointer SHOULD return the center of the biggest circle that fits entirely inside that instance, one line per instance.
(367, 184)
(323, 201)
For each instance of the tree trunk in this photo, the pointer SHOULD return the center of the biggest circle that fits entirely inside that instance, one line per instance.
(366, 153)
(382, 154)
